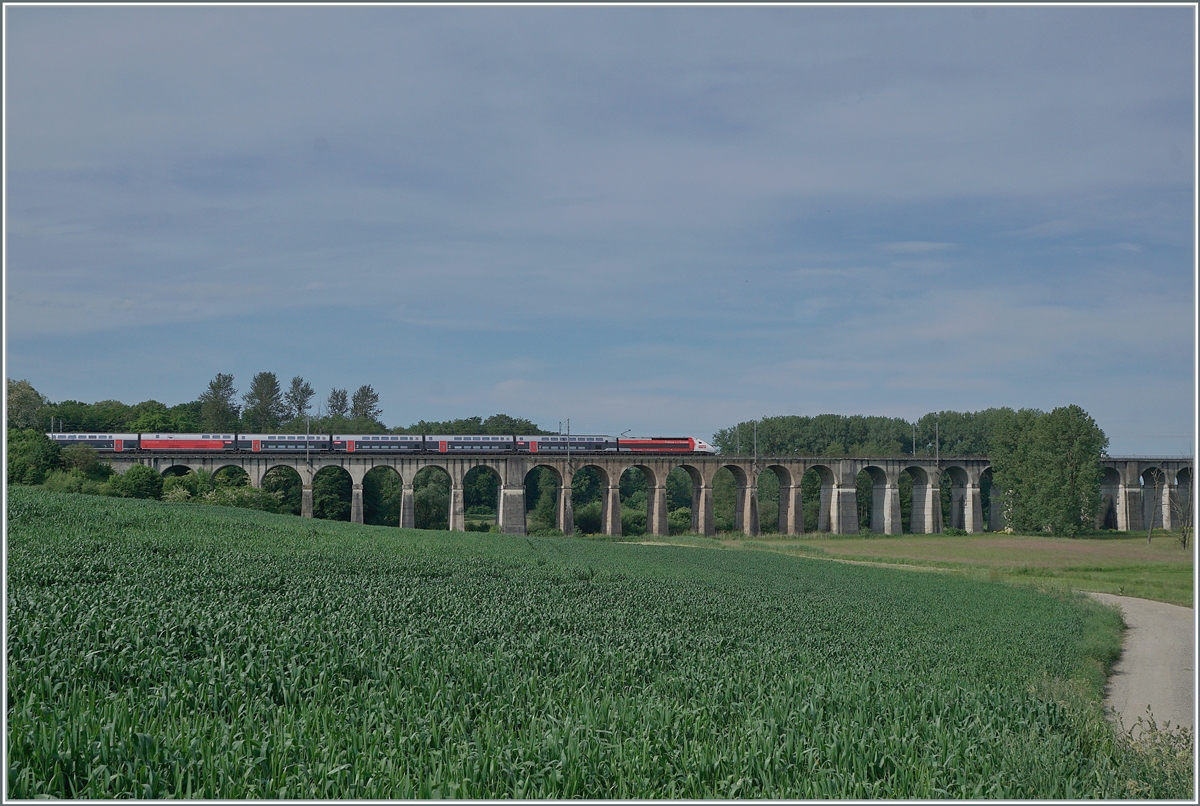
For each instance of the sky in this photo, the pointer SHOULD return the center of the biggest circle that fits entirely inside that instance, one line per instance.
(654, 220)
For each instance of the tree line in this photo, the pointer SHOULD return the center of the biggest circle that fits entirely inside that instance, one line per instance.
(1046, 465)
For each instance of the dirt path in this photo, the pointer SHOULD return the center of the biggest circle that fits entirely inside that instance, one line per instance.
(1157, 667)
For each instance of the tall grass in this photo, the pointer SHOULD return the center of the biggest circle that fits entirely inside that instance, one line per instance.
(167, 650)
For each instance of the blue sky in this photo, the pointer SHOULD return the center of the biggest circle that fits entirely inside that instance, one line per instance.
(662, 220)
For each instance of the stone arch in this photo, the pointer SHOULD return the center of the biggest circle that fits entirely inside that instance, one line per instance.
(287, 481)
(701, 504)
(382, 496)
(543, 498)
(925, 509)
(590, 500)
(176, 470)
(433, 502)
(640, 492)
(1155, 494)
(878, 501)
(481, 486)
(817, 485)
(332, 491)
(234, 475)
(1110, 494)
(953, 485)
(776, 495)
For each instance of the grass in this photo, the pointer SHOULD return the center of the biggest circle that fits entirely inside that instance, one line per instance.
(1120, 564)
(178, 650)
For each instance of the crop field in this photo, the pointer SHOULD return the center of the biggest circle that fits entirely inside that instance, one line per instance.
(178, 650)
(1124, 565)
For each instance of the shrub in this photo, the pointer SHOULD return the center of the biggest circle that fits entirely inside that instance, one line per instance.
(245, 497)
(954, 531)
(587, 519)
(72, 481)
(680, 520)
(31, 455)
(138, 481)
(633, 522)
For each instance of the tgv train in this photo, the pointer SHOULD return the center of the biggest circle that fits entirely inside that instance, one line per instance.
(383, 443)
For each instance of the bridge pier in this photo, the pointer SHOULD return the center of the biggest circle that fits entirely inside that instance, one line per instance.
(893, 523)
(511, 516)
(702, 510)
(656, 511)
(408, 513)
(972, 509)
(356, 504)
(844, 514)
(791, 510)
(457, 521)
(306, 502)
(611, 509)
(565, 517)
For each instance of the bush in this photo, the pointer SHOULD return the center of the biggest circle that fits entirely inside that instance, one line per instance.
(680, 520)
(138, 481)
(954, 531)
(633, 522)
(587, 519)
(73, 481)
(31, 455)
(84, 459)
(245, 497)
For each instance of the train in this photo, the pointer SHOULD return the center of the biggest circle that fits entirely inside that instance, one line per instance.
(382, 443)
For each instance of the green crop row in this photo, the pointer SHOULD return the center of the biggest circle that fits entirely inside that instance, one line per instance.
(167, 650)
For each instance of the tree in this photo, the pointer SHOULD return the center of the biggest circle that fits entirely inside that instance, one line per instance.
(298, 398)
(337, 406)
(366, 403)
(264, 403)
(218, 412)
(138, 481)
(1048, 467)
(31, 455)
(25, 405)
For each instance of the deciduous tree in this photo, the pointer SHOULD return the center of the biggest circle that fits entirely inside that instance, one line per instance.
(218, 412)
(298, 397)
(337, 405)
(25, 405)
(264, 403)
(366, 404)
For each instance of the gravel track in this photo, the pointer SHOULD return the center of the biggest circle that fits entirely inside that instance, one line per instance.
(1157, 668)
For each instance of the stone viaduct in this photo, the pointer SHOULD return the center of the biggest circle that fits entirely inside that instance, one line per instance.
(1134, 489)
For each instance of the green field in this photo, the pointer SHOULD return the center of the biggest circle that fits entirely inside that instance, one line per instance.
(180, 650)
(1121, 564)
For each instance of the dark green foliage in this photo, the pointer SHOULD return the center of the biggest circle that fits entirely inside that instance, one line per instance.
(810, 497)
(864, 492)
(679, 489)
(265, 408)
(298, 399)
(431, 499)
(481, 491)
(496, 425)
(138, 481)
(1048, 466)
(588, 518)
(218, 412)
(287, 483)
(337, 405)
(541, 499)
(332, 489)
(680, 520)
(159, 651)
(382, 497)
(960, 434)
(31, 455)
(26, 406)
(587, 486)
(365, 404)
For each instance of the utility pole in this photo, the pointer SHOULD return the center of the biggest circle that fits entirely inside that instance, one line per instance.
(756, 444)
(914, 452)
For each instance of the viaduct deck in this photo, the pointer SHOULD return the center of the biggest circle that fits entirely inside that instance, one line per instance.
(1134, 488)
